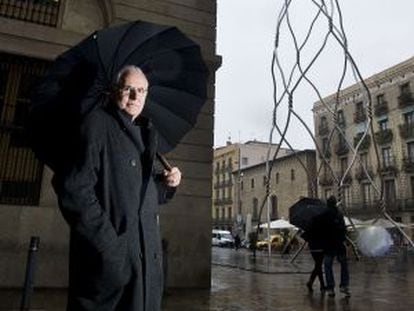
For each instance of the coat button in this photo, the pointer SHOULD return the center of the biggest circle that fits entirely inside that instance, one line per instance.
(133, 162)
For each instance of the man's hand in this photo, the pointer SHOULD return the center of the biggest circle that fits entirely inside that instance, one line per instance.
(172, 178)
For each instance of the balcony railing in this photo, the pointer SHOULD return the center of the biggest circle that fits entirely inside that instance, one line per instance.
(365, 143)
(405, 99)
(381, 109)
(361, 173)
(326, 180)
(323, 130)
(360, 116)
(341, 149)
(388, 166)
(384, 136)
(44, 12)
(408, 164)
(406, 130)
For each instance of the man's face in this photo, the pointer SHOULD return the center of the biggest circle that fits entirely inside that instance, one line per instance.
(132, 93)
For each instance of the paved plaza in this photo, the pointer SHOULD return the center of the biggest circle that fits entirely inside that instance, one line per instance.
(240, 283)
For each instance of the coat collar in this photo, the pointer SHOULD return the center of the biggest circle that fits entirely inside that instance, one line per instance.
(141, 131)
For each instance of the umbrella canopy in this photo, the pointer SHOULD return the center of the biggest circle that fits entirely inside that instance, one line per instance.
(303, 213)
(278, 224)
(82, 77)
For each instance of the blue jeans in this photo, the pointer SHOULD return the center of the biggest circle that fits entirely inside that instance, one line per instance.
(329, 275)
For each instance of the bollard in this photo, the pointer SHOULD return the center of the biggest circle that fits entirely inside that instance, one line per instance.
(30, 270)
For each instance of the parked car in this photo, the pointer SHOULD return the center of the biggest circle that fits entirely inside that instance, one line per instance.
(276, 242)
(222, 238)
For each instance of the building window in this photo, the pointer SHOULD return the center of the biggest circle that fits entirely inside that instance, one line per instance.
(409, 117)
(223, 213)
(277, 177)
(380, 99)
(412, 186)
(217, 215)
(386, 155)
(410, 152)
(264, 180)
(43, 12)
(20, 171)
(341, 118)
(364, 158)
(273, 203)
(255, 209)
(292, 174)
(390, 194)
(241, 185)
(245, 161)
(346, 196)
(366, 195)
(229, 215)
(327, 193)
(405, 89)
(252, 183)
(383, 124)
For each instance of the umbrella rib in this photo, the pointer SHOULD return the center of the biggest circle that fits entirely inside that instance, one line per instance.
(118, 47)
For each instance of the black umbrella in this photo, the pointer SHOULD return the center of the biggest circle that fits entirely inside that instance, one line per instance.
(305, 212)
(81, 78)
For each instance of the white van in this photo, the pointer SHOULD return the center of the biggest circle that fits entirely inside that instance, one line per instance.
(222, 238)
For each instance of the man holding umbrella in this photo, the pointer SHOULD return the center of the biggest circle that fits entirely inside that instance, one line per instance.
(334, 231)
(110, 200)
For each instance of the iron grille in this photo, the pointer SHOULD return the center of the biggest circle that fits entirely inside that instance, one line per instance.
(20, 171)
(44, 12)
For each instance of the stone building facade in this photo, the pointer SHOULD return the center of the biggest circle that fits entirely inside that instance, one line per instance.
(32, 34)
(393, 134)
(293, 176)
(228, 162)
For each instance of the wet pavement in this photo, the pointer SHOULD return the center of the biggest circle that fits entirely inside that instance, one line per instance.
(240, 283)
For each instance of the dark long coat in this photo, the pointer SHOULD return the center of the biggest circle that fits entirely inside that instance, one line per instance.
(110, 200)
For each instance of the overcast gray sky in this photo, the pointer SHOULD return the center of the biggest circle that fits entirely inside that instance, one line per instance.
(380, 35)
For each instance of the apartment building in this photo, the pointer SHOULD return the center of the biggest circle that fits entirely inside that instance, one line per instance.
(384, 158)
(228, 165)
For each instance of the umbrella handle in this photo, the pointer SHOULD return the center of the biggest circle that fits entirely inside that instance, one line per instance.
(164, 161)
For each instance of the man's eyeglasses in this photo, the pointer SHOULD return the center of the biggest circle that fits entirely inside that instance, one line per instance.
(126, 90)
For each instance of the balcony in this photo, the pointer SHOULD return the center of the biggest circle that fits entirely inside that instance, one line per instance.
(388, 167)
(381, 109)
(406, 130)
(365, 143)
(360, 116)
(326, 153)
(227, 201)
(384, 136)
(323, 130)
(43, 12)
(405, 99)
(341, 149)
(361, 173)
(326, 180)
(408, 164)
(347, 179)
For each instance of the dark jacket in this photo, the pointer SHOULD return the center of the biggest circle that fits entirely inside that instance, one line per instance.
(110, 200)
(333, 228)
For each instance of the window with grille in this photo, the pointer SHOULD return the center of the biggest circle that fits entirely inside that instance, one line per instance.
(20, 171)
(44, 12)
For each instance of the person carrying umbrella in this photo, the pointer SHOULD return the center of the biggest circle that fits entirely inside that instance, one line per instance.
(105, 111)
(334, 232)
(110, 199)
